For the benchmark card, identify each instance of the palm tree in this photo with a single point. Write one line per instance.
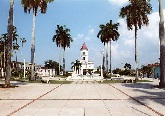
(9, 44)
(162, 46)
(15, 49)
(76, 65)
(34, 5)
(108, 33)
(113, 35)
(1, 55)
(63, 39)
(22, 40)
(4, 42)
(102, 35)
(15, 44)
(3, 45)
(136, 16)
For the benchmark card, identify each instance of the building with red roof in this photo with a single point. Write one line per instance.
(87, 66)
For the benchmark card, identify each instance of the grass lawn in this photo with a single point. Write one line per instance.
(69, 82)
(60, 82)
(144, 81)
(112, 81)
(39, 81)
(52, 82)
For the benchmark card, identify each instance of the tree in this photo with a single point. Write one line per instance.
(76, 65)
(147, 70)
(102, 35)
(34, 5)
(15, 44)
(4, 42)
(136, 16)
(162, 45)
(53, 65)
(112, 34)
(9, 44)
(3, 53)
(108, 33)
(116, 71)
(127, 66)
(22, 40)
(127, 69)
(63, 39)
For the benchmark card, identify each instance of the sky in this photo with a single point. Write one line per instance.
(83, 18)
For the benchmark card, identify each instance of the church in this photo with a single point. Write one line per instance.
(87, 66)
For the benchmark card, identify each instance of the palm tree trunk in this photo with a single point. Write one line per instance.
(1, 66)
(9, 44)
(4, 58)
(104, 59)
(136, 54)
(64, 62)
(33, 48)
(107, 57)
(110, 57)
(59, 60)
(16, 61)
(162, 46)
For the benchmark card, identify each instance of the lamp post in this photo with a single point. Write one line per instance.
(101, 71)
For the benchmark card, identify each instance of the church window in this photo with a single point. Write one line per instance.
(83, 53)
(83, 58)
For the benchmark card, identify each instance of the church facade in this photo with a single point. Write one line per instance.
(87, 66)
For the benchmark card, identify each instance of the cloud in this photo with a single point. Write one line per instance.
(129, 42)
(126, 36)
(91, 31)
(147, 38)
(118, 52)
(118, 2)
(80, 36)
(90, 34)
(151, 32)
(87, 38)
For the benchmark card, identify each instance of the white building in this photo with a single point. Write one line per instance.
(87, 66)
(45, 72)
(41, 71)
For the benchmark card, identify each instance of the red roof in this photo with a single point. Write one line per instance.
(84, 47)
(153, 65)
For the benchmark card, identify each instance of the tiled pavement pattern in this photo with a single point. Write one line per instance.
(83, 98)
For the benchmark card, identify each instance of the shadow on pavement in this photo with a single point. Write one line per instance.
(140, 85)
(13, 84)
(152, 92)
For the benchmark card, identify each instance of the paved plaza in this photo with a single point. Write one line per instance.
(83, 98)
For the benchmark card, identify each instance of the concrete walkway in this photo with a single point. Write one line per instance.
(83, 99)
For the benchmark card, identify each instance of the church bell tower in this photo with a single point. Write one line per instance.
(84, 53)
